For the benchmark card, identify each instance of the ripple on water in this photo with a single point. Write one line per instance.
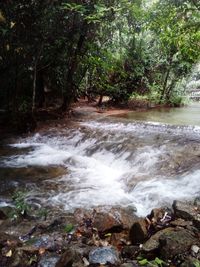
(106, 163)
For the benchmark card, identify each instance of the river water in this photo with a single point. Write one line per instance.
(142, 160)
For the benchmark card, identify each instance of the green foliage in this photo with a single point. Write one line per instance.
(21, 206)
(196, 263)
(68, 228)
(42, 213)
(157, 262)
(116, 48)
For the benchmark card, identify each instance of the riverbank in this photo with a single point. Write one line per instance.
(26, 123)
(105, 236)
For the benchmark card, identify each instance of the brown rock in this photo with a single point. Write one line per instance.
(138, 232)
(106, 219)
(113, 220)
(68, 258)
(181, 223)
(176, 242)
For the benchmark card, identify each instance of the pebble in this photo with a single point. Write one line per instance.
(195, 249)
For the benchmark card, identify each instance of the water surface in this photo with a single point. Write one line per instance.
(108, 161)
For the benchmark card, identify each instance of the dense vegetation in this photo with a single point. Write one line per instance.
(54, 51)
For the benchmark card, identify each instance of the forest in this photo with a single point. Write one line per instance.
(100, 148)
(53, 52)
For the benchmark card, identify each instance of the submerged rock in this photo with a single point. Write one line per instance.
(104, 255)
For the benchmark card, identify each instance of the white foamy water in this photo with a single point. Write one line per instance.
(107, 164)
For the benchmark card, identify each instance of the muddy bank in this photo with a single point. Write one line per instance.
(106, 236)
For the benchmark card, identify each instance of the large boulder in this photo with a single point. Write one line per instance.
(106, 219)
(176, 242)
(153, 243)
(187, 211)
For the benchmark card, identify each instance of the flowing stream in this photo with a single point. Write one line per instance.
(136, 160)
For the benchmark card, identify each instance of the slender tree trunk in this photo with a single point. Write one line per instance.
(15, 93)
(163, 93)
(100, 100)
(34, 87)
(35, 78)
(40, 89)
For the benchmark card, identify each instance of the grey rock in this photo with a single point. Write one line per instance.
(187, 211)
(153, 242)
(104, 255)
(48, 261)
(176, 242)
(129, 252)
(129, 264)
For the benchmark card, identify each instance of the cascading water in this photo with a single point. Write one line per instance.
(108, 162)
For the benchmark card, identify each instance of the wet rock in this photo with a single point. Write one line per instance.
(138, 232)
(160, 217)
(23, 258)
(187, 211)
(177, 242)
(113, 220)
(181, 223)
(48, 261)
(18, 259)
(153, 243)
(130, 252)
(190, 262)
(104, 219)
(118, 239)
(8, 241)
(129, 264)
(3, 215)
(197, 201)
(104, 255)
(73, 256)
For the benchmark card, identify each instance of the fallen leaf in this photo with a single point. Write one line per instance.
(42, 251)
(9, 253)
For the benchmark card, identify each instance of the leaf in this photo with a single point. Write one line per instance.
(2, 18)
(42, 251)
(9, 253)
(143, 262)
(108, 235)
(12, 24)
(69, 227)
(196, 263)
(158, 261)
